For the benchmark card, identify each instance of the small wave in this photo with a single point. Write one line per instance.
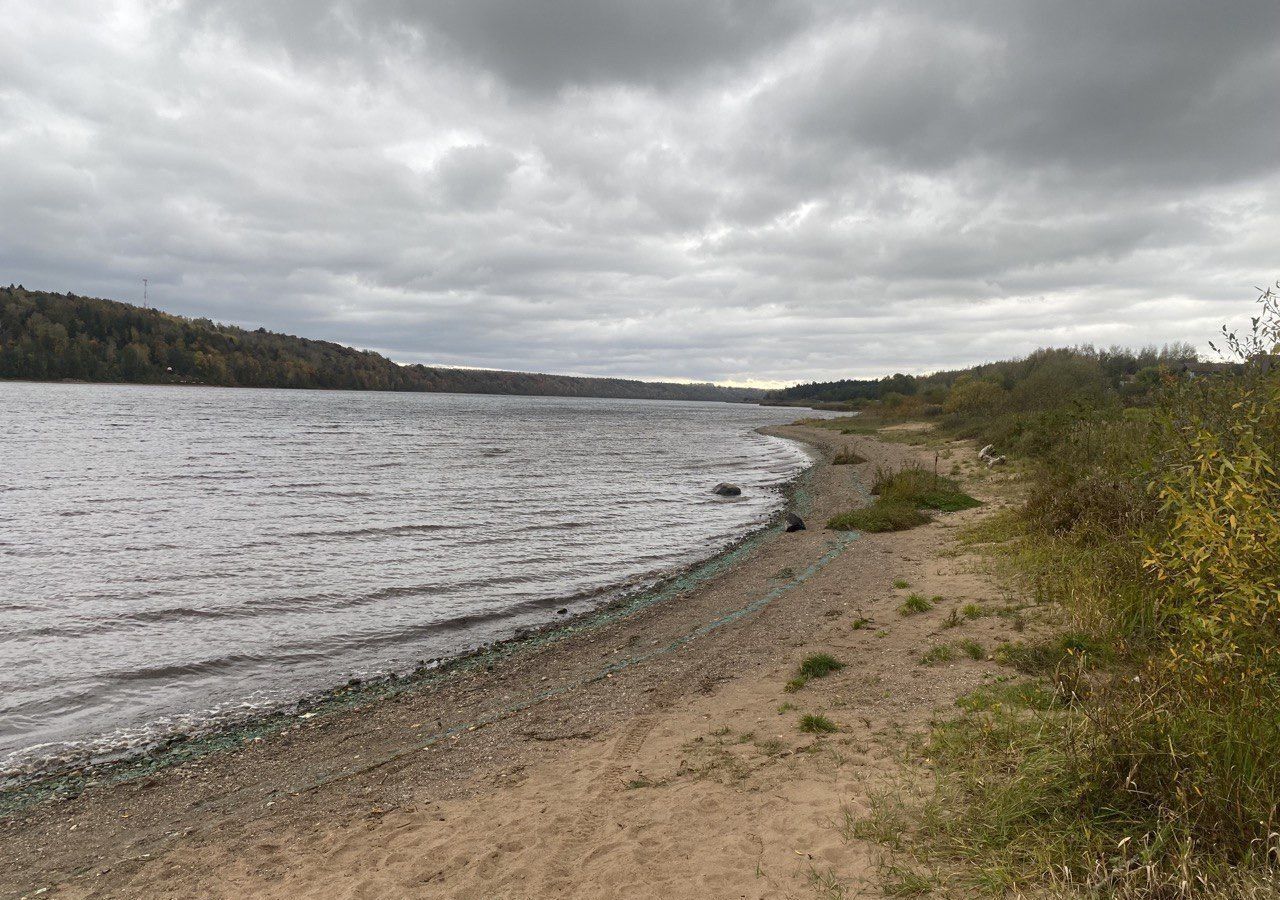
(168, 673)
(341, 533)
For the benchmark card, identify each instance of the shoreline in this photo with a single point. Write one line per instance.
(69, 779)
(502, 769)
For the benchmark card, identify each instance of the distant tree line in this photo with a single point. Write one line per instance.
(49, 337)
(845, 390)
(1042, 380)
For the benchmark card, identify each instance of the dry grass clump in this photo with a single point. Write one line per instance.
(847, 457)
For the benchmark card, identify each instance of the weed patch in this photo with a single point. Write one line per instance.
(819, 665)
(817, 724)
(899, 881)
(939, 653)
(914, 604)
(1047, 656)
(815, 665)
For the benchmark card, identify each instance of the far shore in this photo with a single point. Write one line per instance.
(253, 387)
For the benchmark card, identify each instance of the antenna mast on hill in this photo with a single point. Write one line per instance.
(144, 293)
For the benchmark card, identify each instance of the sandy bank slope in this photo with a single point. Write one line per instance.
(682, 775)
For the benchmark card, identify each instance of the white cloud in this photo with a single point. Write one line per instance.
(736, 190)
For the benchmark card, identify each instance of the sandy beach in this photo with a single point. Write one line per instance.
(656, 754)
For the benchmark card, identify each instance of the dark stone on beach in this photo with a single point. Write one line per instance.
(725, 489)
(794, 522)
(562, 611)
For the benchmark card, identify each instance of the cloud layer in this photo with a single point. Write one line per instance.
(754, 191)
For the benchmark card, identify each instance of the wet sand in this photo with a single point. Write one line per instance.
(649, 756)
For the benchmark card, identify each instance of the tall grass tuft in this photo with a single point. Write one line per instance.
(901, 497)
(922, 488)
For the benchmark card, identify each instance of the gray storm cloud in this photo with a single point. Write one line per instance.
(736, 190)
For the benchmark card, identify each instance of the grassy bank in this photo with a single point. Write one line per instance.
(1137, 752)
(904, 499)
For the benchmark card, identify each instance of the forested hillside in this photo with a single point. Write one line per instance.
(46, 336)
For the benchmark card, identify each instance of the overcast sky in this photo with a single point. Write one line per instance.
(748, 191)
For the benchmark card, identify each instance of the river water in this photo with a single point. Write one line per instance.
(175, 557)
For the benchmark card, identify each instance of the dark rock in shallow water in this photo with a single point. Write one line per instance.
(794, 522)
(562, 611)
(725, 489)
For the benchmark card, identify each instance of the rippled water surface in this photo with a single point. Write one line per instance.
(170, 556)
